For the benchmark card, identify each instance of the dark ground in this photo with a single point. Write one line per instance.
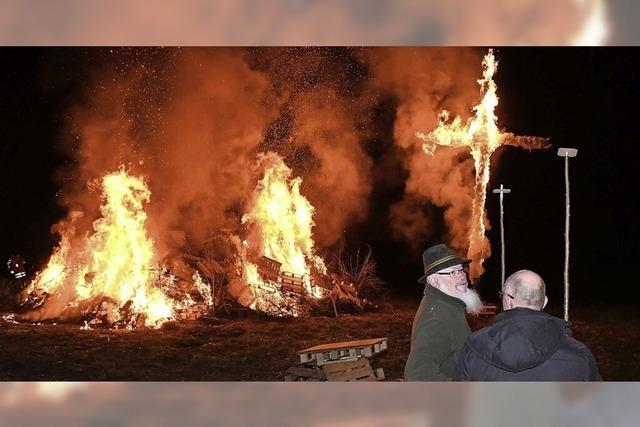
(255, 348)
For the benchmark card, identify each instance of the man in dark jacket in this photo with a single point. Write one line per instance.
(524, 343)
(440, 327)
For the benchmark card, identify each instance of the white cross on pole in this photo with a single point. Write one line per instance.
(502, 191)
(566, 153)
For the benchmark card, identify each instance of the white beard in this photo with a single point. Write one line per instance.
(472, 300)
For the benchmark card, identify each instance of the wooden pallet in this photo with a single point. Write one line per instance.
(269, 268)
(290, 282)
(357, 370)
(342, 351)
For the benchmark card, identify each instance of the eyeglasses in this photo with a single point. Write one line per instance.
(460, 272)
(502, 293)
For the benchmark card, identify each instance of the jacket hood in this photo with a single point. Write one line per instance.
(519, 339)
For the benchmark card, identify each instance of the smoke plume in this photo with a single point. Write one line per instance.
(423, 82)
(193, 121)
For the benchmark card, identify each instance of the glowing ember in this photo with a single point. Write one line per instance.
(115, 262)
(282, 219)
(481, 134)
(204, 289)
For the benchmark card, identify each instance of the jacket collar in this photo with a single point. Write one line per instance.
(438, 295)
(523, 312)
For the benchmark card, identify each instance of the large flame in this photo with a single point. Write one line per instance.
(116, 261)
(481, 134)
(283, 219)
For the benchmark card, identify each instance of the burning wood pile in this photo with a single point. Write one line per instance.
(281, 269)
(273, 267)
(111, 278)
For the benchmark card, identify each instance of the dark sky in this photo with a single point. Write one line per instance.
(578, 97)
(583, 98)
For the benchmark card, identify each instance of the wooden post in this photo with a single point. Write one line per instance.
(502, 191)
(566, 153)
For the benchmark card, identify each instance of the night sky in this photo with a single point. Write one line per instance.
(578, 97)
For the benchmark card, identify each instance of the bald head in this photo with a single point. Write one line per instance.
(527, 289)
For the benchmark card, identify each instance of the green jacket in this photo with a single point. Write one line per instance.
(439, 331)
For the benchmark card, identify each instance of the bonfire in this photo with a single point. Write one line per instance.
(280, 272)
(110, 276)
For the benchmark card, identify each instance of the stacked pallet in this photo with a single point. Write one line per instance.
(341, 361)
(292, 283)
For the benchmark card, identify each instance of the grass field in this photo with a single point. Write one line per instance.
(256, 348)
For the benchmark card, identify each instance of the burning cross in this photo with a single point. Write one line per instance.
(481, 134)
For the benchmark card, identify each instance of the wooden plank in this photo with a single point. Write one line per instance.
(320, 360)
(356, 374)
(340, 362)
(345, 345)
(286, 287)
(331, 368)
(268, 268)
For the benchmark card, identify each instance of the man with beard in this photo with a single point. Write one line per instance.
(440, 326)
(524, 343)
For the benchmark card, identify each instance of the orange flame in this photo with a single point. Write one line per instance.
(481, 134)
(115, 262)
(283, 219)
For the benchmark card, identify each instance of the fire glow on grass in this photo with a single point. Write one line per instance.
(283, 219)
(481, 134)
(116, 261)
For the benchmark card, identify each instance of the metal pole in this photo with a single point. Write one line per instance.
(566, 153)
(502, 191)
